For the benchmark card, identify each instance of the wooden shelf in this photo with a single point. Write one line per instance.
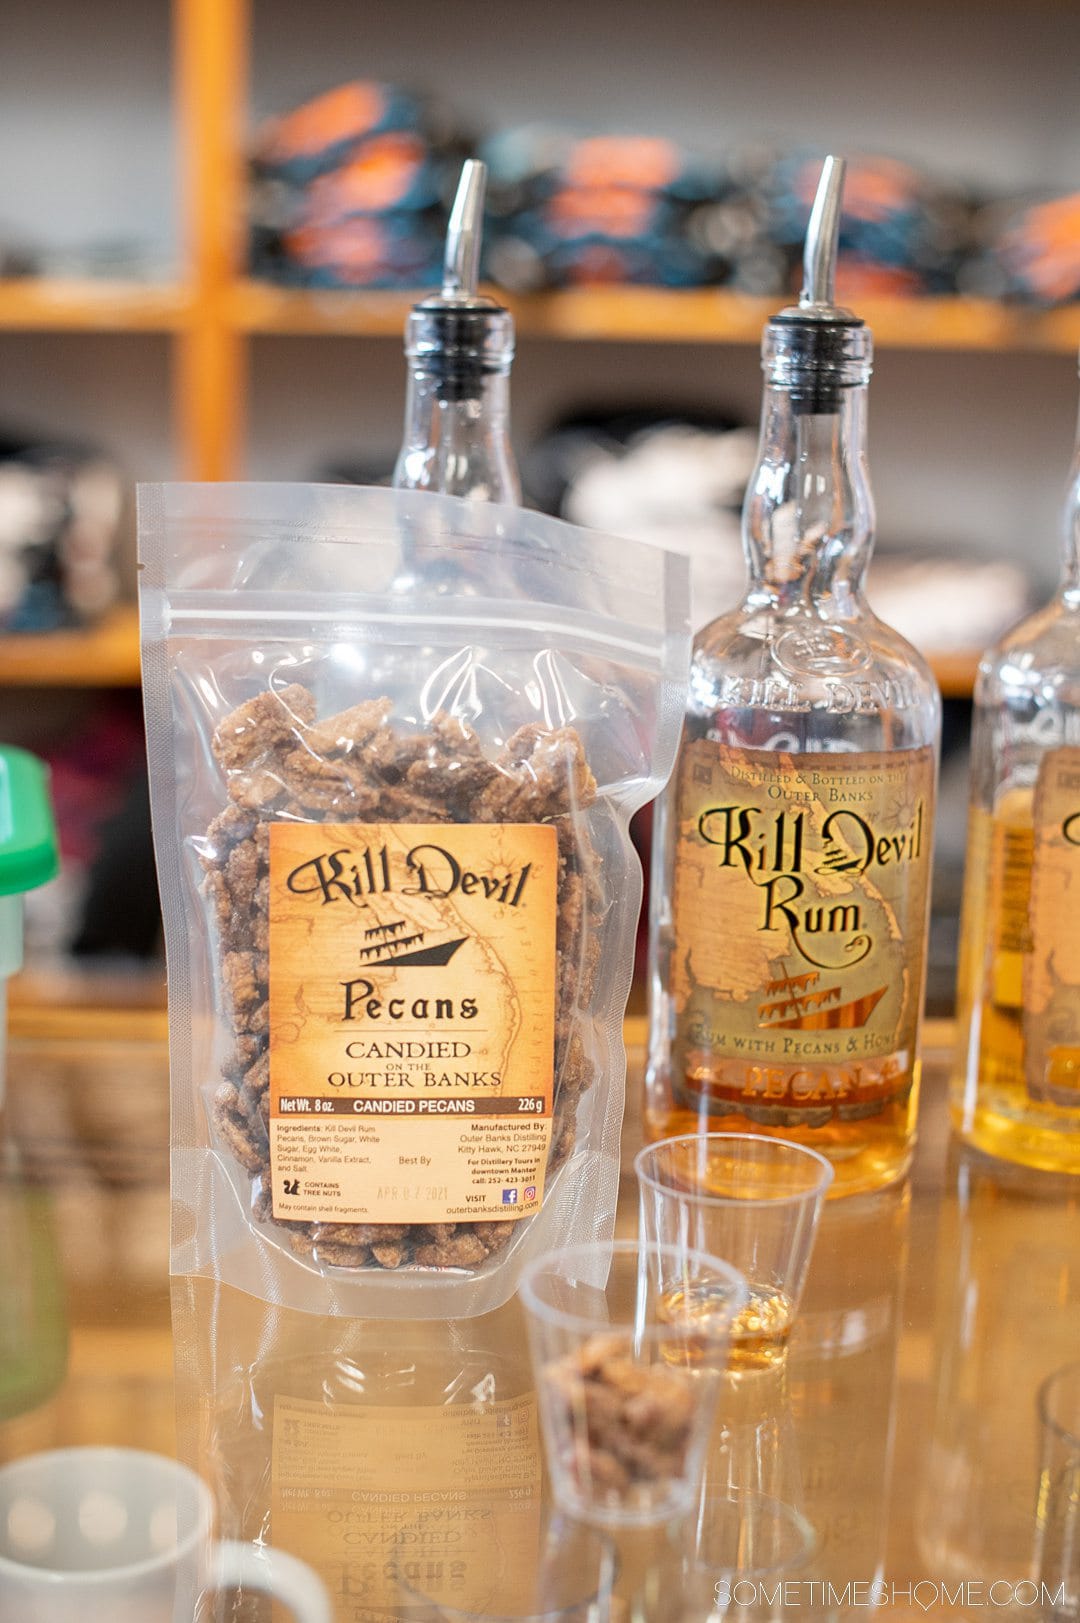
(642, 315)
(104, 655)
(31, 305)
(659, 315)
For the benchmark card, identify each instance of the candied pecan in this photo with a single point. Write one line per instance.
(494, 1236)
(574, 1069)
(571, 917)
(589, 971)
(228, 826)
(331, 1253)
(361, 1233)
(452, 768)
(600, 1469)
(215, 887)
(243, 871)
(350, 731)
(454, 782)
(578, 855)
(341, 1256)
(277, 716)
(334, 787)
(242, 1056)
(257, 1077)
(542, 773)
(258, 790)
(631, 1422)
(662, 1415)
(389, 1253)
(464, 1250)
(240, 972)
(562, 1134)
(401, 803)
(578, 972)
(255, 1021)
(236, 1130)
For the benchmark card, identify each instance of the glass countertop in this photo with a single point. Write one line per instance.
(903, 1430)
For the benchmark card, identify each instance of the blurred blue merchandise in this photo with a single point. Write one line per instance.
(568, 209)
(565, 245)
(349, 190)
(362, 252)
(321, 134)
(1030, 249)
(901, 231)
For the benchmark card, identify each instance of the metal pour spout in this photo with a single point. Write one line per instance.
(464, 235)
(818, 296)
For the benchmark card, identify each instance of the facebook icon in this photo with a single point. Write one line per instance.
(510, 1197)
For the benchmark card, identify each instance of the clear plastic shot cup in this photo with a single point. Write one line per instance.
(748, 1198)
(735, 1556)
(1058, 1512)
(628, 1345)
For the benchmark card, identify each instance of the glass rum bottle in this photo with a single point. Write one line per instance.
(1016, 1081)
(792, 860)
(460, 346)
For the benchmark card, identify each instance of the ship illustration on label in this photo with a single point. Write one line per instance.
(805, 1007)
(389, 946)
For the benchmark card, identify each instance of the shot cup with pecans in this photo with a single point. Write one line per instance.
(627, 1377)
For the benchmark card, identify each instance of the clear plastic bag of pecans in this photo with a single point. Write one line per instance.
(395, 743)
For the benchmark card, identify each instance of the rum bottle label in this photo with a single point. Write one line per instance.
(800, 914)
(1051, 981)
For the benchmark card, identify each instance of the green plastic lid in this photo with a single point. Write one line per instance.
(29, 853)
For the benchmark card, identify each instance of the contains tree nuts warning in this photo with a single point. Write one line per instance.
(395, 742)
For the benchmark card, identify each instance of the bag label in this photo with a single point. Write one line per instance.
(800, 914)
(1051, 982)
(412, 1020)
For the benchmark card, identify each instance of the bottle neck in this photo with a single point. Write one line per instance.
(1070, 555)
(457, 438)
(808, 518)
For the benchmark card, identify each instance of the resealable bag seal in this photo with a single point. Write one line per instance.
(395, 742)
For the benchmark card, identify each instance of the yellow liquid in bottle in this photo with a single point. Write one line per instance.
(992, 1107)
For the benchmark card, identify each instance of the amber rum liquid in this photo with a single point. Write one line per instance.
(757, 1335)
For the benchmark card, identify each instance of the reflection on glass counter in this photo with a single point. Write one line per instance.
(844, 1380)
(1008, 1314)
(386, 1453)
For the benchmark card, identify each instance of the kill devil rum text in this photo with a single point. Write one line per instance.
(792, 861)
